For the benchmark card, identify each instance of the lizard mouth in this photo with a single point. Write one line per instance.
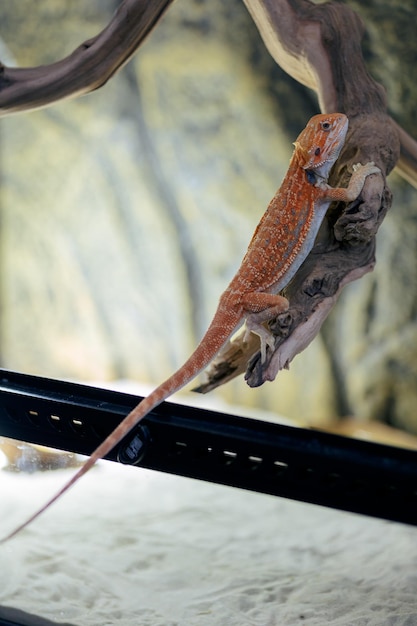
(310, 162)
(322, 169)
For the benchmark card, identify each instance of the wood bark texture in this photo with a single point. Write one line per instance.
(89, 67)
(320, 46)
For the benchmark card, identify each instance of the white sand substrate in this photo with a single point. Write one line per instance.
(134, 547)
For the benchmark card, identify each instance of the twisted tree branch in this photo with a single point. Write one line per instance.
(89, 67)
(320, 45)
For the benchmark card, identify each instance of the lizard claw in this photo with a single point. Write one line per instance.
(367, 169)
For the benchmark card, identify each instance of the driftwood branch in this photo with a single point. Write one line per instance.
(89, 67)
(320, 45)
(315, 44)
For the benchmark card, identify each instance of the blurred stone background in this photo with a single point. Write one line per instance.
(125, 213)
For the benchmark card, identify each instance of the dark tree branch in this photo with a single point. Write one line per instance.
(320, 45)
(89, 67)
(315, 44)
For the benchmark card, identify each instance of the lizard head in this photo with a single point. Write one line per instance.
(319, 144)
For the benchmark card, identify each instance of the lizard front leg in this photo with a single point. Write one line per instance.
(260, 307)
(356, 183)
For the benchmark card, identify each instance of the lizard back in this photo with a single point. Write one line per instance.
(287, 229)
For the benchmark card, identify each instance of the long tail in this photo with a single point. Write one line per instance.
(215, 337)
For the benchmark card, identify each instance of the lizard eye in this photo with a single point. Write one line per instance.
(325, 125)
(317, 151)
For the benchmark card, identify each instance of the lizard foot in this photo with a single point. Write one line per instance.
(262, 307)
(265, 336)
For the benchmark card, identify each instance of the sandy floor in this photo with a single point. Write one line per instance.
(134, 547)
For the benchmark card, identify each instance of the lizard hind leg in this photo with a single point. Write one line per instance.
(260, 308)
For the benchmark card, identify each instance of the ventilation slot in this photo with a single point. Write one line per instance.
(56, 422)
(34, 417)
(78, 426)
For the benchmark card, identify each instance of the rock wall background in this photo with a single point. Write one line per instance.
(125, 213)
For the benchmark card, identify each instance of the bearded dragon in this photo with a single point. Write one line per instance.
(280, 243)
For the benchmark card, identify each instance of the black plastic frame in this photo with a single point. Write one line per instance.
(307, 465)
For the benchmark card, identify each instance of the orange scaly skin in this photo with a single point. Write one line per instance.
(281, 242)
